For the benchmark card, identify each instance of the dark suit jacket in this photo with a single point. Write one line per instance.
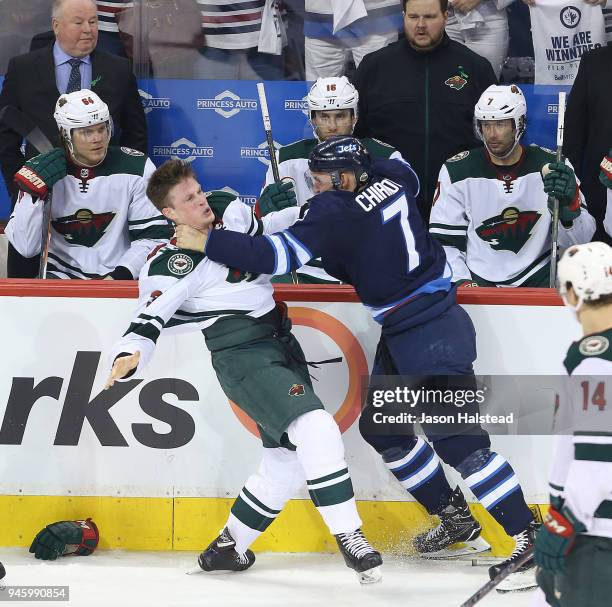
(30, 87)
(588, 127)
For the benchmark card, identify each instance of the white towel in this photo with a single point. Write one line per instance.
(272, 35)
(346, 12)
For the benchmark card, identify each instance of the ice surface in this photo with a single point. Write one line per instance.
(158, 579)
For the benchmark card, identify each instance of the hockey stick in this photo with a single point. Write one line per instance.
(265, 115)
(23, 126)
(502, 575)
(555, 201)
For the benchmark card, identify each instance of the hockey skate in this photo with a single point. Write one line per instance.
(524, 577)
(221, 555)
(457, 526)
(360, 556)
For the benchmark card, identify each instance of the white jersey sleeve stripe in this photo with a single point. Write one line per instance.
(281, 254)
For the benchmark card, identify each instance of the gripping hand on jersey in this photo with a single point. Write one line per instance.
(556, 538)
(123, 366)
(39, 174)
(276, 197)
(606, 171)
(188, 237)
(560, 183)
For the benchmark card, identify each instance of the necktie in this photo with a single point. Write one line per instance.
(74, 82)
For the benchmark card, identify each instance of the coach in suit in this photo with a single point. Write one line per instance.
(35, 80)
(588, 128)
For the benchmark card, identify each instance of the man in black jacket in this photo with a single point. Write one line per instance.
(588, 128)
(35, 80)
(418, 94)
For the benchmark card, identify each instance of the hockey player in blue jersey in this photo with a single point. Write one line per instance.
(365, 226)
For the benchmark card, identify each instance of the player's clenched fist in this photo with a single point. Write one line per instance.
(39, 174)
(188, 237)
(122, 366)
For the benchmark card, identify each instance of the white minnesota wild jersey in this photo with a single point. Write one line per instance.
(582, 465)
(101, 218)
(181, 290)
(494, 222)
(293, 164)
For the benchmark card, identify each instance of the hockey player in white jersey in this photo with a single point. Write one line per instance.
(573, 549)
(606, 179)
(260, 367)
(491, 209)
(102, 223)
(332, 111)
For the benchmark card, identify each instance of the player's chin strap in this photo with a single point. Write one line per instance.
(336, 180)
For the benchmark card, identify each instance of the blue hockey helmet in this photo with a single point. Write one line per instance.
(341, 153)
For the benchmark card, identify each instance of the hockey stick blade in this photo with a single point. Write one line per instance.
(491, 584)
(17, 121)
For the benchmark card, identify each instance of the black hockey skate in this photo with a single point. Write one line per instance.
(456, 525)
(221, 555)
(524, 577)
(360, 556)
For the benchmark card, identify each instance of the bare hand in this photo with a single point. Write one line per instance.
(465, 6)
(121, 367)
(530, 2)
(188, 237)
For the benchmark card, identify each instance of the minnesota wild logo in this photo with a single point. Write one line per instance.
(84, 228)
(456, 82)
(508, 231)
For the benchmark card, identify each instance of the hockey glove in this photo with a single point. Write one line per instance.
(560, 183)
(64, 538)
(606, 171)
(276, 197)
(556, 538)
(39, 174)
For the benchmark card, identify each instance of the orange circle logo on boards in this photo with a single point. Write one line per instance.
(352, 353)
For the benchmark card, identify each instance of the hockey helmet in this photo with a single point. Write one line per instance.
(501, 103)
(80, 109)
(340, 154)
(587, 268)
(332, 94)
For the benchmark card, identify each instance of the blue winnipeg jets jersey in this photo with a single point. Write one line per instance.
(375, 240)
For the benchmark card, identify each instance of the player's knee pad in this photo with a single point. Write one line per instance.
(278, 478)
(381, 442)
(316, 430)
(454, 450)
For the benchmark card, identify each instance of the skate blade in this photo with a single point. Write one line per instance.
(462, 549)
(370, 576)
(518, 582)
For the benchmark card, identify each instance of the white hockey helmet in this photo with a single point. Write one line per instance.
(77, 110)
(501, 103)
(587, 268)
(332, 94)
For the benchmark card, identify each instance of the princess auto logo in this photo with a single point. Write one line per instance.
(150, 103)
(227, 104)
(260, 152)
(570, 16)
(183, 149)
(297, 105)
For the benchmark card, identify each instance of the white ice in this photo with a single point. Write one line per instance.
(158, 579)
